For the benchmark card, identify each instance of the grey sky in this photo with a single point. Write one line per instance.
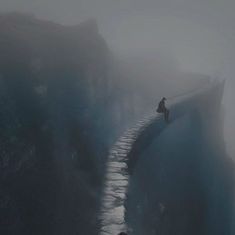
(199, 34)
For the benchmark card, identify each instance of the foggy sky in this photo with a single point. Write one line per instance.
(198, 34)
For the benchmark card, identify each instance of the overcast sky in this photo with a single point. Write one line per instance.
(198, 34)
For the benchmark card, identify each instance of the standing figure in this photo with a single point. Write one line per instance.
(162, 109)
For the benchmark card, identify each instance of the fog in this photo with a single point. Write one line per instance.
(80, 137)
(198, 35)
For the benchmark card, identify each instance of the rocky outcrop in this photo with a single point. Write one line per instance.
(55, 124)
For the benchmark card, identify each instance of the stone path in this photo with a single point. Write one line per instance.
(116, 181)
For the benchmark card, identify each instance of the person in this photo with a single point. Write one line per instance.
(162, 109)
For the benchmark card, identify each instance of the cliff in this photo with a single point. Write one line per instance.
(55, 125)
(182, 181)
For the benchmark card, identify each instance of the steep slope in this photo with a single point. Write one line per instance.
(55, 124)
(181, 180)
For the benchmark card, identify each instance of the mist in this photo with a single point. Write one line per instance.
(198, 35)
(77, 75)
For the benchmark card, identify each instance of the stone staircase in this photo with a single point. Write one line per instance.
(112, 216)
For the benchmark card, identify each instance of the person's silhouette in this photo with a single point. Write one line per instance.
(162, 109)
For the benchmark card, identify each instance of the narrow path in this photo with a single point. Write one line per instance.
(113, 210)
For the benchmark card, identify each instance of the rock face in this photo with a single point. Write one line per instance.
(182, 181)
(56, 125)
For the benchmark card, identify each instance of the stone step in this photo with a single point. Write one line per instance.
(113, 210)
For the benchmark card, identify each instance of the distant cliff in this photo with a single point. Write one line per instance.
(56, 124)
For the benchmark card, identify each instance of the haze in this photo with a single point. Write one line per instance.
(198, 35)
